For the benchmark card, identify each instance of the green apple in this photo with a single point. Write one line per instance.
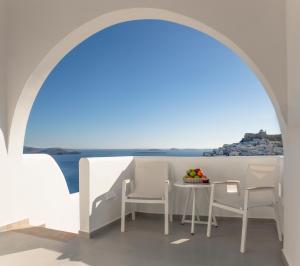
(192, 173)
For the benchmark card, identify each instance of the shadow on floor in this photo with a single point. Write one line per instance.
(143, 243)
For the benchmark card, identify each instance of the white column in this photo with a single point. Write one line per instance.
(291, 189)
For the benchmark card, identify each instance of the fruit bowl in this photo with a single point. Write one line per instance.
(195, 176)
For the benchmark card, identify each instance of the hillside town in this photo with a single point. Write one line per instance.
(252, 144)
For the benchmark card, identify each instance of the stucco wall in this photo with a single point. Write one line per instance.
(2, 77)
(6, 185)
(41, 194)
(292, 176)
(5, 178)
(100, 190)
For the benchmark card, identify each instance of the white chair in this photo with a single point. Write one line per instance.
(150, 185)
(263, 178)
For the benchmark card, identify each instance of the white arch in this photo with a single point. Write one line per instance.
(35, 81)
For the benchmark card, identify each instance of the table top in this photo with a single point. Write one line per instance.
(182, 184)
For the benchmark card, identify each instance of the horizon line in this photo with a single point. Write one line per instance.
(67, 148)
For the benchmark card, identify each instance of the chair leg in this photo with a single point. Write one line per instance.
(215, 222)
(210, 210)
(172, 198)
(214, 219)
(133, 208)
(166, 216)
(244, 232)
(276, 215)
(245, 223)
(123, 215)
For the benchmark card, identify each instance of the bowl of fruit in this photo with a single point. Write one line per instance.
(195, 176)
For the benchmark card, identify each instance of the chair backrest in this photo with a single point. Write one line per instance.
(256, 175)
(228, 192)
(259, 175)
(150, 178)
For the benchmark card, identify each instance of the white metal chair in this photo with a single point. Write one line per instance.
(150, 185)
(263, 178)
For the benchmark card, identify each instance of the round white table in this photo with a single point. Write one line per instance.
(192, 189)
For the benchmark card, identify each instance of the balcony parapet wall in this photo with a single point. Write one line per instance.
(101, 178)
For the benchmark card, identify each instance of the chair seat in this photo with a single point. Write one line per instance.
(235, 206)
(136, 195)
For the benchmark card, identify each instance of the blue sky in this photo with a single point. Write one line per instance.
(149, 84)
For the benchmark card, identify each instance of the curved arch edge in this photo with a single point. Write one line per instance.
(29, 92)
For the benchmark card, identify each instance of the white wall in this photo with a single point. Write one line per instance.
(292, 162)
(5, 177)
(2, 77)
(43, 195)
(100, 190)
(6, 199)
(33, 187)
(100, 183)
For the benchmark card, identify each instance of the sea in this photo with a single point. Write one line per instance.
(69, 163)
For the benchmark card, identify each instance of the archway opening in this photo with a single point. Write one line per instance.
(36, 79)
(157, 82)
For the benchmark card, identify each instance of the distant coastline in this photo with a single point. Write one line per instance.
(117, 152)
(252, 144)
(50, 151)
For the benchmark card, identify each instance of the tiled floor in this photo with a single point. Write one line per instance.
(144, 244)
